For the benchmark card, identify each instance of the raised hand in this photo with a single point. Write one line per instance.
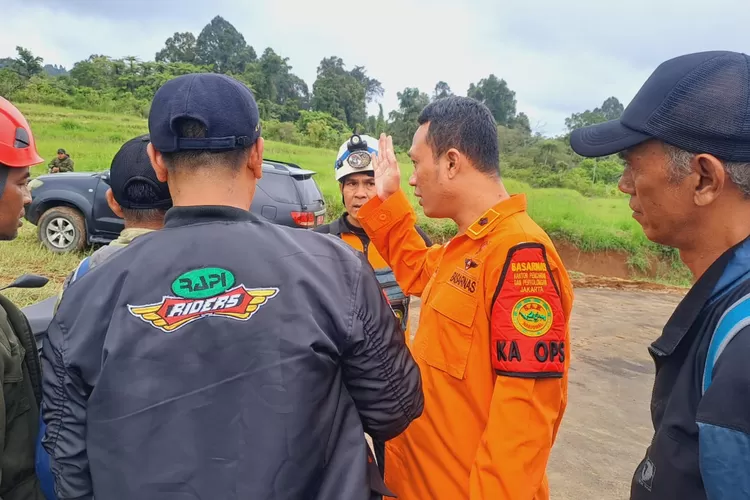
(387, 173)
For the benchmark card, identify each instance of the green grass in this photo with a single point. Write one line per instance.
(92, 139)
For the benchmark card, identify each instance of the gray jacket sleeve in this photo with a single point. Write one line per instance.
(64, 413)
(379, 371)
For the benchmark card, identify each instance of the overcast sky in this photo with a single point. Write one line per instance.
(559, 56)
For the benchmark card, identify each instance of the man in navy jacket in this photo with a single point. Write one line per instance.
(685, 139)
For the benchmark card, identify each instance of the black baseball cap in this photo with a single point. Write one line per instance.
(131, 166)
(697, 102)
(225, 106)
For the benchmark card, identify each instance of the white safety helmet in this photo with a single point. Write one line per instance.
(355, 156)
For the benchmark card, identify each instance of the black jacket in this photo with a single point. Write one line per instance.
(701, 410)
(21, 378)
(224, 358)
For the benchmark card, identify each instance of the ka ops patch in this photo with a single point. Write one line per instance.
(527, 325)
(201, 293)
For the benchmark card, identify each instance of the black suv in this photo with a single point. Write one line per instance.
(70, 209)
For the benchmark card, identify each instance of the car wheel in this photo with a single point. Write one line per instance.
(62, 229)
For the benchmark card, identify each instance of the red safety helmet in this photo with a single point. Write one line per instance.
(17, 147)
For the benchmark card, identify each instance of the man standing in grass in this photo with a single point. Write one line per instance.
(20, 372)
(685, 139)
(493, 337)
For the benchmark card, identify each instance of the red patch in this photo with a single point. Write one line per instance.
(527, 323)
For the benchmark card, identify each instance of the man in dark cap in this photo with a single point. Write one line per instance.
(685, 139)
(136, 196)
(63, 163)
(223, 356)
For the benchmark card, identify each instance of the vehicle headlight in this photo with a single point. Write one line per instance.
(34, 183)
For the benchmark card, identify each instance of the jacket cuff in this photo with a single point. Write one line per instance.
(377, 214)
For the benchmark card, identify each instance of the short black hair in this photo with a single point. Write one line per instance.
(142, 193)
(467, 125)
(196, 159)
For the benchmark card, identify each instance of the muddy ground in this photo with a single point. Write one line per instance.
(606, 427)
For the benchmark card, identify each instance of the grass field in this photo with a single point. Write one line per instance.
(93, 138)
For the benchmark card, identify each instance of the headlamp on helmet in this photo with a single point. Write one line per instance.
(357, 154)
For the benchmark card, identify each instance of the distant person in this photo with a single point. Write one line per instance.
(136, 196)
(685, 139)
(354, 172)
(63, 162)
(493, 341)
(20, 374)
(222, 356)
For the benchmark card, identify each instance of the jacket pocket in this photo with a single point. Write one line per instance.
(448, 340)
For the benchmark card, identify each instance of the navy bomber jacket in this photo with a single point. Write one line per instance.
(224, 358)
(701, 410)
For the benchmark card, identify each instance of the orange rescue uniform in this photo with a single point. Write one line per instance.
(493, 350)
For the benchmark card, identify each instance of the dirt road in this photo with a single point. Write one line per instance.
(607, 424)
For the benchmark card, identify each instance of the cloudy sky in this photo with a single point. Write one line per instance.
(560, 56)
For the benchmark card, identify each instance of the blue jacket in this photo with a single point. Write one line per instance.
(224, 358)
(701, 398)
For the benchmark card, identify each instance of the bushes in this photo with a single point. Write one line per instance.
(313, 128)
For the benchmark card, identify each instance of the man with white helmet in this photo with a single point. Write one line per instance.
(354, 171)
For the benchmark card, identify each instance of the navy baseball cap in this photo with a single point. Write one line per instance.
(697, 102)
(133, 180)
(225, 106)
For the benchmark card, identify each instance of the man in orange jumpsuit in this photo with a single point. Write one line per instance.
(493, 338)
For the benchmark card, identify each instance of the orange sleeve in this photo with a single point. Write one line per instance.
(391, 226)
(516, 444)
(527, 403)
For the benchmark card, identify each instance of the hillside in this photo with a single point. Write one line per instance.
(584, 228)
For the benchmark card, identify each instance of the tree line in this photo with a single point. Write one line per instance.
(322, 116)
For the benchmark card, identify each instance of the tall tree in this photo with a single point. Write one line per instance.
(442, 89)
(611, 109)
(340, 94)
(220, 45)
(373, 87)
(521, 122)
(26, 64)
(380, 127)
(496, 95)
(179, 47)
(404, 124)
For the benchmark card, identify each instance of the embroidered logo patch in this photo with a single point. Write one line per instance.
(200, 294)
(528, 327)
(532, 316)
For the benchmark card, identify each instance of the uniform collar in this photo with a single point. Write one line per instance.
(492, 217)
(129, 234)
(183, 216)
(349, 228)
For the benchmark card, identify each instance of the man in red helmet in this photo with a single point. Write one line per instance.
(20, 371)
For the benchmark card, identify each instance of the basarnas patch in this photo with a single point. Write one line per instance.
(202, 293)
(527, 326)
